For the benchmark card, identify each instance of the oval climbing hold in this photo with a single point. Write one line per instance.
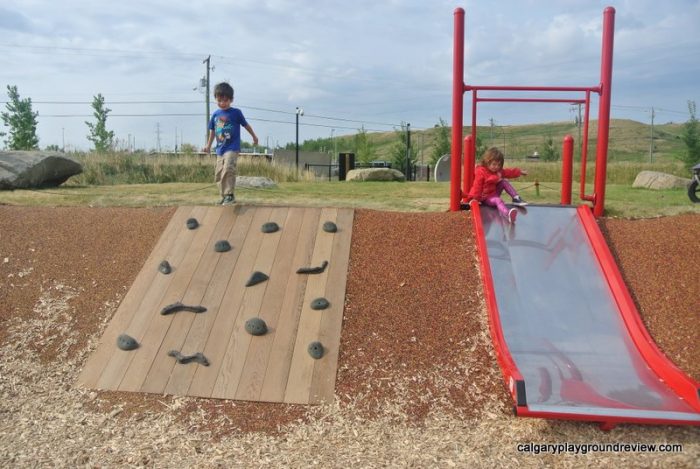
(126, 342)
(192, 223)
(270, 227)
(165, 268)
(255, 326)
(330, 227)
(320, 303)
(315, 350)
(222, 246)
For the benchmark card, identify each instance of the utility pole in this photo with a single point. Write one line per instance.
(207, 61)
(651, 143)
(158, 136)
(492, 124)
(408, 151)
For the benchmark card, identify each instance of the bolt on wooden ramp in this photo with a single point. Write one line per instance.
(274, 367)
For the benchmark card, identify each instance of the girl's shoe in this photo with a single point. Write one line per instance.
(517, 200)
(512, 214)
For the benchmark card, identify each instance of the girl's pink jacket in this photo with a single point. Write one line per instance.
(485, 181)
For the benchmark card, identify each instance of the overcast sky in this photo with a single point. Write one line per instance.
(347, 64)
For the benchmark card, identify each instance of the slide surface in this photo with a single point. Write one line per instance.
(564, 344)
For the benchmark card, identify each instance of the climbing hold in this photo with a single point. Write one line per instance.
(330, 227)
(126, 342)
(222, 246)
(184, 359)
(192, 223)
(270, 227)
(313, 270)
(165, 268)
(175, 307)
(320, 303)
(255, 326)
(255, 278)
(315, 350)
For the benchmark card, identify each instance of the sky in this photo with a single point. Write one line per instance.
(372, 64)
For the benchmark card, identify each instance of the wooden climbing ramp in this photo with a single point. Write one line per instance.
(274, 367)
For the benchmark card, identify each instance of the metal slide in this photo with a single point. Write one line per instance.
(569, 339)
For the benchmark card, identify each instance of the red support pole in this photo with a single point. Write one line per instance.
(604, 111)
(457, 108)
(468, 178)
(567, 159)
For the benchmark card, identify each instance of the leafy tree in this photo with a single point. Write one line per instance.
(399, 150)
(53, 148)
(99, 135)
(441, 142)
(21, 121)
(364, 152)
(691, 138)
(549, 153)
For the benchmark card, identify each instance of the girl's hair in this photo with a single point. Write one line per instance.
(491, 155)
(223, 89)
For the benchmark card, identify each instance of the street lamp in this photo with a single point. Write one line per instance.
(300, 112)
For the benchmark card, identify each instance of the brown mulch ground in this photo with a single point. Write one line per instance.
(418, 384)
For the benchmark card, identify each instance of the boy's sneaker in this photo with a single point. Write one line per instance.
(517, 200)
(229, 199)
(512, 214)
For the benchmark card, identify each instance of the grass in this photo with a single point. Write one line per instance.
(621, 199)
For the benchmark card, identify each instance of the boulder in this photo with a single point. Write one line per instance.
(255, 181)
(34, 169)
(375, 174)
(656, 180)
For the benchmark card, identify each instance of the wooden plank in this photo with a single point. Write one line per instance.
(284, 335)
(181, 376)
(302, 365)
(115, 369)
(163, 364)
(236, 353)
(222, 329)
(325, 369)
(282, 270)
(157, 328)
(127, 308)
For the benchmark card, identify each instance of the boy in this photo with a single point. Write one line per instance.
(225, 125)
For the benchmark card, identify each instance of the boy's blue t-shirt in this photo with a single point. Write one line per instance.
(226, 124)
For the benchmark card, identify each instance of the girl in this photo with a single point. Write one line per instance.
(490, 180)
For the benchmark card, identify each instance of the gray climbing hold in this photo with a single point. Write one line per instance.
(184, 359)
(165, 268)
(176, 307)
(255, 326)
(192, 223)
(222, 246)
(126, 342)
(320, 303)
(316, 350)
(313, 270)
(255, 278)
(270, 227)
(330, 227)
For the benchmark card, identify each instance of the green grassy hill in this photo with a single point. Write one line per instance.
(629, 140)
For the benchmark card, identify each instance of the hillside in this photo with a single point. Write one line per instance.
(629, 140)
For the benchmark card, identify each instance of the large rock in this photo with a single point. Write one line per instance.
(656, 180)
(257, 182)
(375, 174)
(33, 169)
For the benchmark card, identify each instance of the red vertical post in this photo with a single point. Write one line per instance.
(468, 178)
(457, 108)
(567, 159)
(601, 160)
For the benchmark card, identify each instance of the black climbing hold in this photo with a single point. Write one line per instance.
(184, 359)
(320, 303)
(126, 342)
(270, 227)
(165, 268)
(313, 270)
(315, 350)
(192, 223)
(222, 246)
(255, 326)
(330, 227)
(175, 307)
(255, 278)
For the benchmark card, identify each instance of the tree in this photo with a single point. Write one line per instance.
(21, 121)
(399, 150)
(441, 142)
(549, 153)
(364, 152)
(691, 138)
(99, 135)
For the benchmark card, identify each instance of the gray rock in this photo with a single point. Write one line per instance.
(375, 174)
(656, 180)
(258, 182)
(34, 169)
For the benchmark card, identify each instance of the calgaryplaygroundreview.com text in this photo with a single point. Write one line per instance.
(585, 448)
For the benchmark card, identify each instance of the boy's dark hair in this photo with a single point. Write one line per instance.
(223, 89)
